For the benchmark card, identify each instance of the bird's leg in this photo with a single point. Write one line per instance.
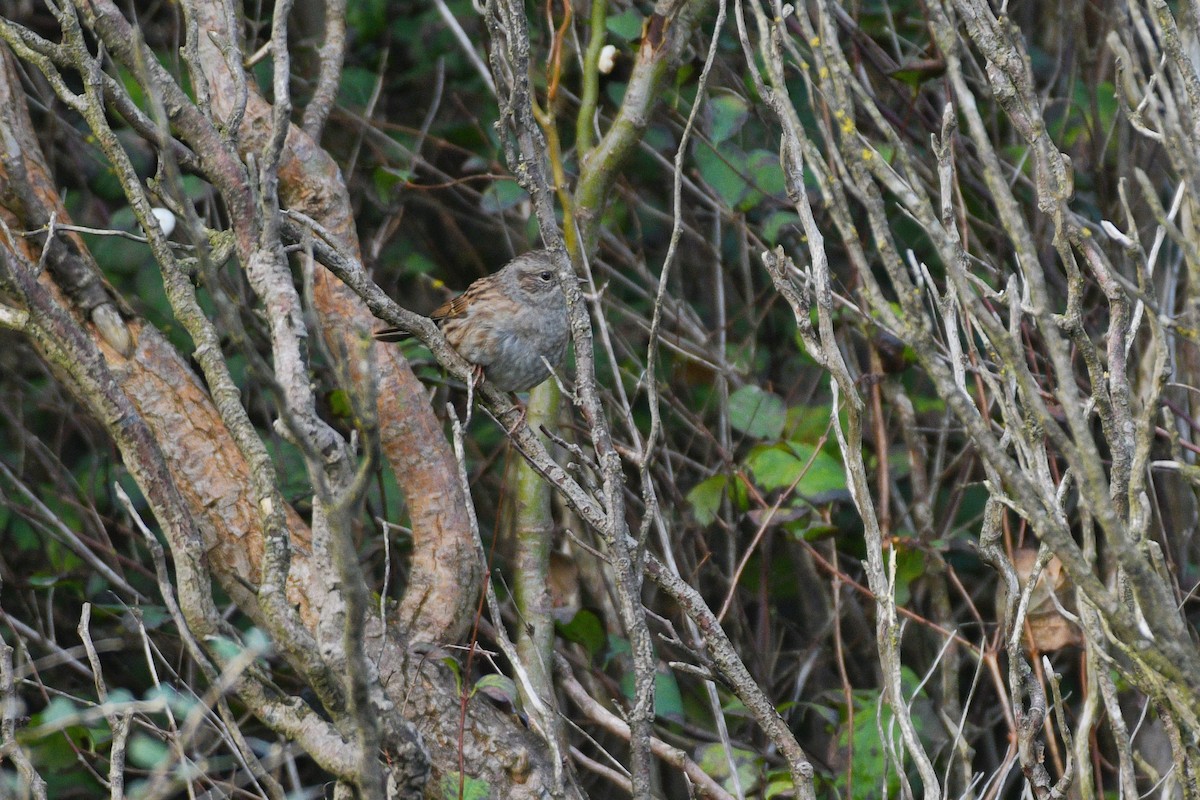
(520, 418)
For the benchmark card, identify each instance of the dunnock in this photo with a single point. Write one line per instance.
(510, 324)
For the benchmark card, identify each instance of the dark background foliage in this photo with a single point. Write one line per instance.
(755, 507)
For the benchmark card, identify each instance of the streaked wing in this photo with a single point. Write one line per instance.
(454, 307)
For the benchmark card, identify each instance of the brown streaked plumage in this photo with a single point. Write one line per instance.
(510, 323)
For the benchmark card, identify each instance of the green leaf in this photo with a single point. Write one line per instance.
(615, 91)
(339, 404)
(419, 264)
(61, 559)
(910, 565)
(741, 180)
(757, 413)
(807, 423)
(713, 759)
(224, 647)
(617, 646)
(96, 586)
(774, 224)
(660, 138)
(256, 639)
(180, 703)
(734, 707)
(107, 185)
(367, 16)
(668, 701)
(501, 196)
(811, 531)
(779, 786)
(500, 688)
(627, 25)
(727, 113)
(777, 466)
(871, 716)
(586, 629)
(452, 664)
(23, 534)
(357, 86)
(724, 172)
(825, 473)
(58, 709)
(147, 752)
(388, 180)
(705, 498)
(473, 788)
(774, 467)
(57, 753)
(766, 175)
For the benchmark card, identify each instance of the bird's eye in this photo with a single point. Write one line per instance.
(547, 276)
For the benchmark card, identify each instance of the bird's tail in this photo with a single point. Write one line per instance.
(391, 335)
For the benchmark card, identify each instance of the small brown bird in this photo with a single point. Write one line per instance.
(510, 324)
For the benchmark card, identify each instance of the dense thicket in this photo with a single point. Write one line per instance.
(872, 471)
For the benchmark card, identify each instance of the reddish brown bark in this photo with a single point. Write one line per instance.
(213, 480)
